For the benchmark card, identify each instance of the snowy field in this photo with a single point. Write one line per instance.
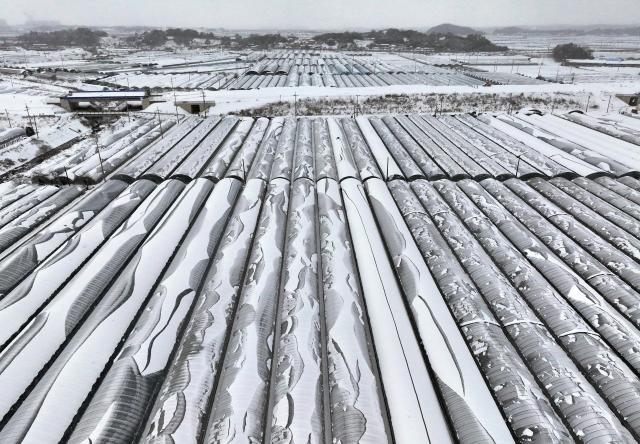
(338, 251)
(535, 44)
(66, 58)
(234, 101)
(16, 95)
(50, 139)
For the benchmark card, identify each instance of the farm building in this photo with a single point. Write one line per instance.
(105, 100)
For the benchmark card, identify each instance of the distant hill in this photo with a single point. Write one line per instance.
(582, 31)
(629, 30)
(409, 39)
(448, 28)
(510, 30)
(82, 37)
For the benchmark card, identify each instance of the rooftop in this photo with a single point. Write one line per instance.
(105, 95)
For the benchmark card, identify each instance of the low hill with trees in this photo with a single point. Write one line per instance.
(186, 37)
(562, 53)
(158, 37)
(82, 37)
(448, 28)
(410, 39)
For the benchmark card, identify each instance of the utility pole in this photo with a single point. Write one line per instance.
(586, 109)
(542, 60)
(175, 99)
(295, 104)
(160, 120)
(32, 122)
(609, 104)
(8, 119)
(28, 115)
(104, 177)
(540, 67)
(203, 103)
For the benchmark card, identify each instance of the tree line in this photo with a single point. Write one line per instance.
(82, 37)
(85, 37)
(411, 39)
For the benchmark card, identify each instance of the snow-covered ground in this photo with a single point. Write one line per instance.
(442, 237)
(603, 45)
(65, 58)
(49, 138)
(17, 94)
(591, 89)
(233, 101)
(556, 72)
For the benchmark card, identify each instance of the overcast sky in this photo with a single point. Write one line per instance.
(322, 14)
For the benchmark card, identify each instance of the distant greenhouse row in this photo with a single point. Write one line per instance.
(212, 81)
(406, 146)
(294, 78)
(296, 68)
